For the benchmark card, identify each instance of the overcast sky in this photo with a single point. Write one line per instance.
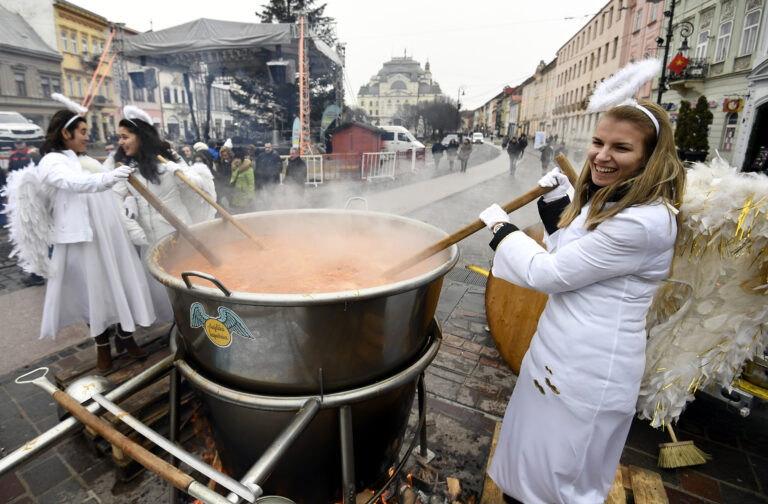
(480, 46)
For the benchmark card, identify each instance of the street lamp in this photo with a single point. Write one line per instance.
(686, 29)
(459, 94)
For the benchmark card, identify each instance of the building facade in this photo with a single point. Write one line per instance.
(593, 54)
(751, 150)
(723, 49)
(82, 37)
(30, 70)
(401, 81)
(646, 28)
(536, 103)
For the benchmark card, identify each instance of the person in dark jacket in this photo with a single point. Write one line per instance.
(268, 167)
(437, 152)
(295, 172)
(514, 152)
(451, 152)
(547, 155)
(19, 156)
(522, 141)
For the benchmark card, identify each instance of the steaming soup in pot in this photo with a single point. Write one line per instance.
(308, 262)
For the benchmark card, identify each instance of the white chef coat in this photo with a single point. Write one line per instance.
(571, 409)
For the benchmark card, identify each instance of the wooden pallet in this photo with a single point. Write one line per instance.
(631, 484)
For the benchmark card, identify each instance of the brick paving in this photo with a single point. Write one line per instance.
(468, 386)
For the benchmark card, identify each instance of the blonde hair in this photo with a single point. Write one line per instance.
(661, 177)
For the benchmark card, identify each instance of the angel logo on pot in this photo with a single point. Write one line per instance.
(219, 330)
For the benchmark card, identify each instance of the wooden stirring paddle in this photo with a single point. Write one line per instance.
(226, 215)
(172, 219)
(520, 201)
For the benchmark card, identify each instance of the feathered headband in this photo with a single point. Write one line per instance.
(622, 86)
(78, 109)
(131, 112)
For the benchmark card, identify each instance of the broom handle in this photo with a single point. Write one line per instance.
(672, 433)
(477, 225)
(227, 216)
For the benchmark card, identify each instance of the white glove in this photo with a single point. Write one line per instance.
(493, 215)
(131, 207)
(173, 167)
(138, 236)
(119, 174)
(555, 178)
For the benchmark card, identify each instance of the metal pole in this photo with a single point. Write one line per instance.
(192, 461)
(422, 394)
(261, 469)
(347, 455)
(667, 43)
(55, 433)
(173, 430)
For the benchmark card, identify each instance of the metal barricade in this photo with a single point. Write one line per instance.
(314, 164)
(378, 165)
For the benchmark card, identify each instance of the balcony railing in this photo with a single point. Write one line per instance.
(696, 70)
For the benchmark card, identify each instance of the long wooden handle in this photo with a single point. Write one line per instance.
(472, 228)
(137, 452)
(173, 220)
(567, 168)
(227, 216)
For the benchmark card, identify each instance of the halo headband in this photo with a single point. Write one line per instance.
(650, 116)
(72, 119)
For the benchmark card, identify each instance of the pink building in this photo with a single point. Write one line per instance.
(646, 22)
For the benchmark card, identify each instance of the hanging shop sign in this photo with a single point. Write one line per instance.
(733, 105)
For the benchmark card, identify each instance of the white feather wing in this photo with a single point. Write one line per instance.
(703, 329)
(30, 221)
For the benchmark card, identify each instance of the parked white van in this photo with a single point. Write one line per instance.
(397, 138)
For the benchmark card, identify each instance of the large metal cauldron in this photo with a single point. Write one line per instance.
(299, 343)
(310, 471)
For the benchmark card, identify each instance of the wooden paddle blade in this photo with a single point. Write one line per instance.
(513, 312)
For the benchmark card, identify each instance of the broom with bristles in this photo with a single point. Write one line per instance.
(680, 453)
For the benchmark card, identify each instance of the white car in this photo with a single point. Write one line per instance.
(477, 137)
(15, 127)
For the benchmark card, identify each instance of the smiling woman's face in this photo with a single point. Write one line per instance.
(617, 151)
(128, 141)
(77, 140)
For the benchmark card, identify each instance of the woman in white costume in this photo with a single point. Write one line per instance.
(571, 409)
(96, 275)
(139, 147)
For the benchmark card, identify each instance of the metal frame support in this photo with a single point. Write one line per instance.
(347, 455)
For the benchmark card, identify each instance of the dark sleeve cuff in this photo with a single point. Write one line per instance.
(550, 212)
(502, 233)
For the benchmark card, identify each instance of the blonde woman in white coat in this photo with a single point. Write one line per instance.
(139, 147)
(571, 409)
(96, 276)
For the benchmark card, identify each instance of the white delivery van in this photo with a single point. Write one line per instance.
(397, 138)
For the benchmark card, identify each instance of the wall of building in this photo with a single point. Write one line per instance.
(727, 64)
(593, 54)
(76, 28)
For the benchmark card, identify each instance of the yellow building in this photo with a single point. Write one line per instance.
(81, 36)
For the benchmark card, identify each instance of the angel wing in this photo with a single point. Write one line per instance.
(197, 315)
(30, 220)
(234, 323)
(703, 328)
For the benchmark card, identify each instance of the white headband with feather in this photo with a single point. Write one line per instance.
(131, 112)
(78, 109)
(622, 86)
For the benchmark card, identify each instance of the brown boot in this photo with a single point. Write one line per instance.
(124, 342)
(103, 355)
